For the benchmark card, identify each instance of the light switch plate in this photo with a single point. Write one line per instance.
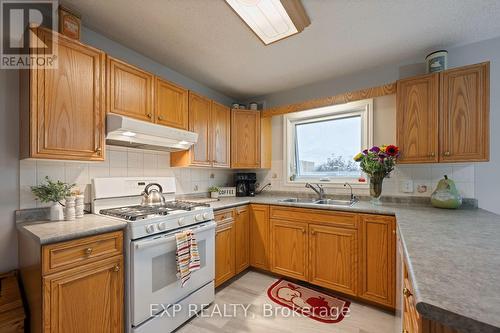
(406, 186)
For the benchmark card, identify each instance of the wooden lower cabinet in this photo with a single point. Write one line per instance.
(224, 253)
(413, 322)
(85, 299)
(232, 242)
(333, 258)
(377, 259)
(289, 248)
(259, 236)
(84, 292)
(242, 239)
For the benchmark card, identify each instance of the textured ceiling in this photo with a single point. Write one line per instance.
(205, 40)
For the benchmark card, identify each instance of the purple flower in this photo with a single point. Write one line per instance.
(365, 152)
(375, 149)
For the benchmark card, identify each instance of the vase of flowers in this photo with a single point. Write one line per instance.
(377, 163)
(53, 192)
(214, 192)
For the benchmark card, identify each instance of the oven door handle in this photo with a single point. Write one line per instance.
(170, 237)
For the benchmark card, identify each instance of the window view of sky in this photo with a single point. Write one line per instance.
(329, 146)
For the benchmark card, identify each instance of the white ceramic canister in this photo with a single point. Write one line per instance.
(69, 209)
(79, 206)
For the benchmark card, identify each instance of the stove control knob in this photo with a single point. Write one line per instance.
(162, 226)
(150, 228)
(206, 216)
(198, 217)
(180, 221)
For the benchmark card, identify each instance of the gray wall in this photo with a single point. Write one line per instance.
(123, 53)
(486, 174)
(9, 167)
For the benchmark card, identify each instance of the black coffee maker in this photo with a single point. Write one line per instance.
(245, 184)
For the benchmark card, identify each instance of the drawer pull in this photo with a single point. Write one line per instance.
(116, 268)
(149, 115)
(160, 118)
(447, 153)
(406, 292)
(88, 251)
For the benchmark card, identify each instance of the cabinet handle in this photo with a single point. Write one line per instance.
(159, 118)
(432, 155)
(447, 153)
(149, 115)
(88, 251)
(313, 232)
(98, 149)
(303, 231)
(116, 268)
(404, 331)
(406, 292)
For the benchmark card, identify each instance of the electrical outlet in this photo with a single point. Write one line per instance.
(406, 186)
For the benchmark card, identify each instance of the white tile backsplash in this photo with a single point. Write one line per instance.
(120, 162)
(425, 175)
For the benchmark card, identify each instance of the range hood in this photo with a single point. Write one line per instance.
(128, 132)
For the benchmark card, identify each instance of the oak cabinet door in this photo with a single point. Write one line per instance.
(378, 259)
(86, 299)
(465, 114)
(67, 103)
(224, 253)
(417, 119)
(242, 240)
(199, 122)
(245, 139)
(130, 90)
(333, 258)
(259, 236)
(221, 135)
(171, 108)
(289, 250)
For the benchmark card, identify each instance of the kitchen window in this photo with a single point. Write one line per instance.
(320, 143)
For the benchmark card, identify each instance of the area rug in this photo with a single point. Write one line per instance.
(308, 302)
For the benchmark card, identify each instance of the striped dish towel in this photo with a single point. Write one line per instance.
(187, 256)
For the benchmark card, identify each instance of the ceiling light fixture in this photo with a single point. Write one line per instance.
(272, 20)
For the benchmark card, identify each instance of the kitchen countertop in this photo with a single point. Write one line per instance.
(47, 232)
(453, 257)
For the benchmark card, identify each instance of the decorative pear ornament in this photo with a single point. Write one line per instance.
(446, 195)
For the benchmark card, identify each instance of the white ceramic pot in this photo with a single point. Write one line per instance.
(214, 195)
(56, 212)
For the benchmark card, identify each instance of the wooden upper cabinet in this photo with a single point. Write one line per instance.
(130, 90)
(259, 236)
(86, 299)
(245, 139)
(221, 135)
(333, 258)
(199, 122)
(465, 114)
(378, 259)
(63, 109)
(242, 238)
(289, 248)
(171, 107)
(418, 118)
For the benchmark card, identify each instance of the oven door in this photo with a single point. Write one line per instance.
(153, 275)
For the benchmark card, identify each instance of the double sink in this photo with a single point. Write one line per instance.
(321, 202)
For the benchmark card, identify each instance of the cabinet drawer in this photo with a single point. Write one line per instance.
(224, 216)
(342, 219)
(56, 257)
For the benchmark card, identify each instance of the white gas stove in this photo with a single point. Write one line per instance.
(150, 250)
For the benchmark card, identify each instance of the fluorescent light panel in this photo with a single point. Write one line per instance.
(267, 18)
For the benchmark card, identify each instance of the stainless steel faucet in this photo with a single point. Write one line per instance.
(352, 195)
(320, 191)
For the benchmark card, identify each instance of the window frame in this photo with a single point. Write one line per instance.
(362, 108)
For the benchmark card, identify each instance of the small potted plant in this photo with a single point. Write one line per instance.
(377, 163)
(214, 192)
(53, 192)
